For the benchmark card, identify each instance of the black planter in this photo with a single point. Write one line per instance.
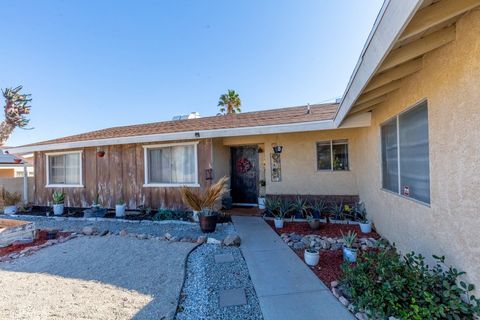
(208, 224)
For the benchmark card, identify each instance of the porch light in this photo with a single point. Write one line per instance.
(277, 149)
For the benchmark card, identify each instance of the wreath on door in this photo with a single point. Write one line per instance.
(244, 165)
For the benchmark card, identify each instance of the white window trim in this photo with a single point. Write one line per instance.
(47, 172)
(331, 156)
(397, 119)
(170, 185)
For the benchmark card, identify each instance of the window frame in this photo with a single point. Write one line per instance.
(397, 121)
(47, 172)
(331, 155)
(170, 185)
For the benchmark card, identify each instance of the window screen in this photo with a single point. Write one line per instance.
(332, 155)
(172, 165)
(64, 169)
(390, 156)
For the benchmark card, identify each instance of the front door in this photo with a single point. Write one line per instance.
(244, 179)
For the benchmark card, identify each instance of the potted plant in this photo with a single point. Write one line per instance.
(361, 217)
(58, 203)
(96, 211)
(284, 207)
(11, 199)
(300, 207)
(271, 204)
(349, 252)
(338, 210)
(205, 202)
(311, 256)
(315, 213)
(120, 208)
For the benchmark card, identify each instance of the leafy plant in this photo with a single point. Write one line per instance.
(230, 103)
(284, 208)
(349, 238)
(120, 202)
(384, 284)
(272, 203)
(360, 213)
(16, 108)
(319, 206)
(338, 210)
(58, 197)
(204, 202)
(12, 198)
(300, 206)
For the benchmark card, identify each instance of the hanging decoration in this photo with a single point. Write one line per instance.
(275, 167)
(244, 165)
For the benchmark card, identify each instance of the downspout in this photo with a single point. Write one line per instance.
(25, 183)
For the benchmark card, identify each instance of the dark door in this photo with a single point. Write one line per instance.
(244, 174)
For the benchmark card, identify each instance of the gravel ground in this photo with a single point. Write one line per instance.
(109, 277)
(175, 228)
(200, 294)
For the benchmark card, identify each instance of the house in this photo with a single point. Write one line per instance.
(404, 138)
(14, 166)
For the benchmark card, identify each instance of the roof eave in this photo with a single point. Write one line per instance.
(389, 25)
(360, 121)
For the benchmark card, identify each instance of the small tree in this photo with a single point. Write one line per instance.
(230, 103)
(16, 107)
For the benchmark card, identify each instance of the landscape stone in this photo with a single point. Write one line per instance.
(224, 258)
(344, 301)
(232, 297)
(201, 239)
(123, 233)
(88, 230)
(232, 240)
(213, 241)
(299, 245)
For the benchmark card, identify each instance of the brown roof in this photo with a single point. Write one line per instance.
(289, 115)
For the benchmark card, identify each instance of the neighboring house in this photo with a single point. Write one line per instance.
(405, 139)
(14, 166)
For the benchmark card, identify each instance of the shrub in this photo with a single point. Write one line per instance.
(12, 198)
(384, 284)
(170, 214)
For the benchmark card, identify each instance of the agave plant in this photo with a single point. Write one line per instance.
(338, 210)
(272, 203)
(349, 238)
(300, 206)
(284, 208)
(204, 202)
(58, 197)
(319, 206)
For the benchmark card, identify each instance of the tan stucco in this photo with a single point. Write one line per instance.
(450, 80)
(299, 172)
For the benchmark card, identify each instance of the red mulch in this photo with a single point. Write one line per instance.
(329, 266)
(332, 230)
(41, 238)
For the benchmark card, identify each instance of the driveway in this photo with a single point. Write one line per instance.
(107, 277)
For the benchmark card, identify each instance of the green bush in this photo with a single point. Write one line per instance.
(168, 214)
(384, 284)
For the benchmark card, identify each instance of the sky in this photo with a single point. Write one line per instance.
(96, 64)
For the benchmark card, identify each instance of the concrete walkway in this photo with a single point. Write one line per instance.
(285, 286)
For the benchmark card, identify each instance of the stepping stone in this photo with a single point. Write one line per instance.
(232, 297)
(224, 258)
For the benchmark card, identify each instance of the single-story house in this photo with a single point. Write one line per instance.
(404, 139)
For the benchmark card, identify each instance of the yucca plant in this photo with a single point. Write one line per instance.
(319, 206)
(349, 238)
(271, 204)
(284, 208)
(204, 202)
(338, 210)
(300, 206)
(58, 197)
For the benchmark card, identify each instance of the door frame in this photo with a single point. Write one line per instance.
(257, 169)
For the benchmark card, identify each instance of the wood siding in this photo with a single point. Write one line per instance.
(119, 174)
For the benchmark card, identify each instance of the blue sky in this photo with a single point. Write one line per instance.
(96, 64)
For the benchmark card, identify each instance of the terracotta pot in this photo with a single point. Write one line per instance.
(100, 154)
(314, 224)
(208, 223)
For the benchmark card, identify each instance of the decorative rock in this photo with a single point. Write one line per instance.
(168, 236)
(185, 239)
(142, 236)
(361, 316)
(351, 307)
(88, 230)
(201, 239)
(123, 233)
(213, 241)
(232, 240)
(299, 246)
(336, 293)
(334, 284)
(344, 301)
(173, 239)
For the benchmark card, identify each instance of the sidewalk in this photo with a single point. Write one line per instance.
(285, 286)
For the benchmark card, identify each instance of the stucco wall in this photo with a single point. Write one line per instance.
(299, 166)
(450, 80)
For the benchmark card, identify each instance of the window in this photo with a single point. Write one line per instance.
(171, 165)
(332, 155)
(64, 169)
(405, 159)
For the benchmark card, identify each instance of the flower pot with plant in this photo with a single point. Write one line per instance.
(284, 207)
(120, 208)
(349, 252)
(58, 203)
(300, 207)
(338, 211)
(361, 217)
(11, 200)
(311, 256)
(271, 205)
(204, 203)
(96, 211)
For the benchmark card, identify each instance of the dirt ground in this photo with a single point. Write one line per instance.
(108, 277)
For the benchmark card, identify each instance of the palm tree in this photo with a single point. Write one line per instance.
(16, 107)
(230, 103)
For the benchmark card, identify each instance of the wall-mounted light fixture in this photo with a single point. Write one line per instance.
(209, 174)
(277, 149)
(197, 134)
